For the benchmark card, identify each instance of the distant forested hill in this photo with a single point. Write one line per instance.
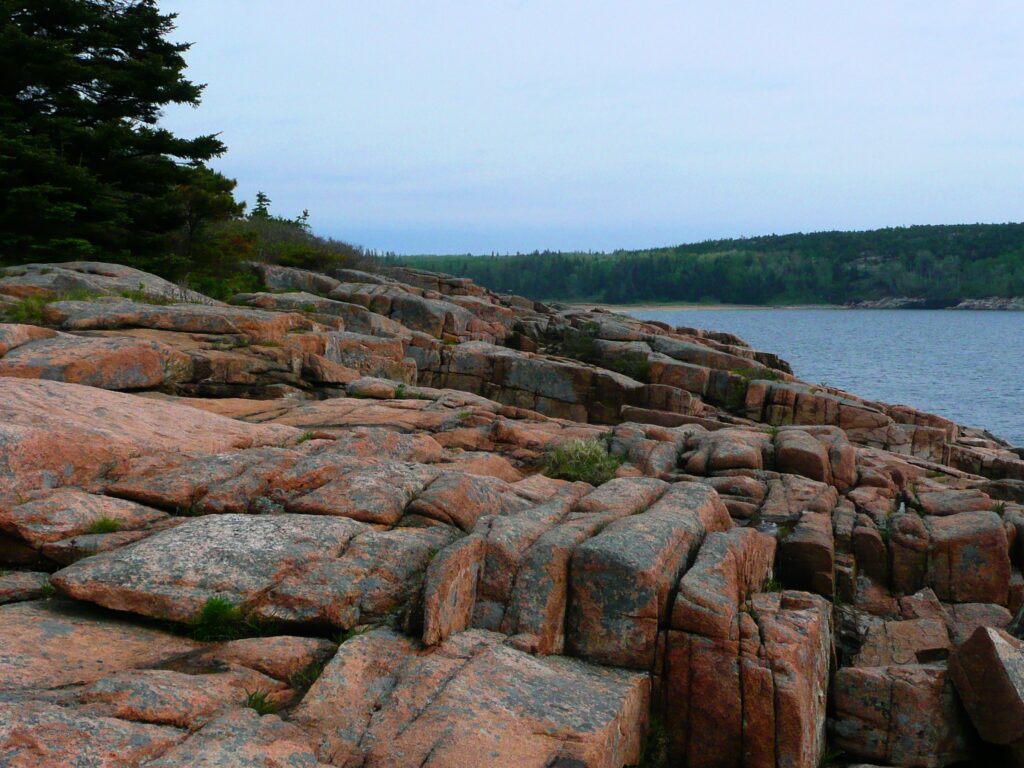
(939, 263)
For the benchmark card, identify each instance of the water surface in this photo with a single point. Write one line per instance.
(965, 365)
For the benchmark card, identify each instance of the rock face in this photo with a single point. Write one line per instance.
(312, 527)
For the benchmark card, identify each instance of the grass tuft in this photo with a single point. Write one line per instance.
(220, 619)
(28, 311)
(105, 524)
(586, 460)
(258, 701)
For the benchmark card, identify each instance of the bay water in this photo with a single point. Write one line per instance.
(965, 365)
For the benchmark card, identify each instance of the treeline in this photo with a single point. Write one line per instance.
(938, 263)
(88, 172)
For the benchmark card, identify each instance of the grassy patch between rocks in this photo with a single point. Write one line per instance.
(258, 701)
(220, 619)
(105, 525)
(586, 460)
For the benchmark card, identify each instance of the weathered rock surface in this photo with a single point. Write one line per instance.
(313, 528)
(473, 699)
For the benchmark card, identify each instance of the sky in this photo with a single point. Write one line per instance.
(513, 125)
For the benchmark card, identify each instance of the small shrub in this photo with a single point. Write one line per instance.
(400, 392)
(586, 460)
(305, 437)
(772, 585)
(48, 590)
(258, 701)
(28, 310)
(999, 508)
(105, 524)
(773, 432)
(220, 619)
(268, 343)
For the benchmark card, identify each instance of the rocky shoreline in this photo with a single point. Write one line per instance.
(321, 525)
(1015, 303)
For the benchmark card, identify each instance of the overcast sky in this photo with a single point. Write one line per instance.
(441, 126)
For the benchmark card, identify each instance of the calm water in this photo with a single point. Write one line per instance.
(967, 366)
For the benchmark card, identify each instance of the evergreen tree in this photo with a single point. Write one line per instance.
(85, 169)
(262, 208)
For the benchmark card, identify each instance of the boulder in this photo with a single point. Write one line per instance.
(236, 558)
(378, 577)
(798, 453)
(108, 363)
(383, 700)
(34, 733)
(91, 277)
(450, 587)
(969, 558)
(988, 671)
(19, 586)
(254, 324)
(53, 433)
(905, 715)
(620, 580)
(49, 516)
(242, 739)
(53, 643)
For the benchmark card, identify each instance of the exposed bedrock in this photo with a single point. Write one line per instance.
(395, 519)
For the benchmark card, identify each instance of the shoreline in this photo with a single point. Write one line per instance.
(753, 307)
(709, 307)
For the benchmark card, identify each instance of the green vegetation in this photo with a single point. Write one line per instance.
(105, 524)
(999, 508)
(305, 437)
(938, 263)
(84, 168)
(28, 310)
(88, 172)
(586, 460)
(258, 700)
(220, 619)
(772, 585)
(47, 591)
